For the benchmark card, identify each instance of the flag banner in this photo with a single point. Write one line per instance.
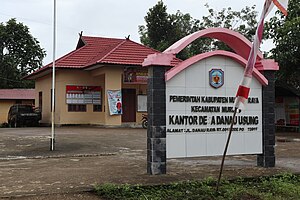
(114, 102)
(244, 88)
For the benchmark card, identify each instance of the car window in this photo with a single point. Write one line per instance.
(25, 109)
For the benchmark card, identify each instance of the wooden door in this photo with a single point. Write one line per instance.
(129, 105)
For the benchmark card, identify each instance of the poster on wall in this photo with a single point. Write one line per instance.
(114, 102)
(78, 94)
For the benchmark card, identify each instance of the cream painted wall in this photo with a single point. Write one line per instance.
(6, 104)
(77, 77)
(43, 85)
(64, 77)
(4, 108)
(113, 81)
(108, 77)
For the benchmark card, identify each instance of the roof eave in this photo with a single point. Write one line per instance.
(103, 64)
(38, 74)
(93, 66)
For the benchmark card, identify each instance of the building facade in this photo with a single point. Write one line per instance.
(87, 76)
(9, 97)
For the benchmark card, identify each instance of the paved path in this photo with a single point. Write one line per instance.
(86, 156)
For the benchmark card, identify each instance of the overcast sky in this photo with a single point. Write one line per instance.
(105, 18)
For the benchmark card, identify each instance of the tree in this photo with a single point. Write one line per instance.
(20, 54)
(163, 29)
(243, 22)
(159, 27)
(173, 27)
(284, 31)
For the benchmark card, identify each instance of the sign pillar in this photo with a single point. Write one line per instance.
(156, 132)
(267, 158)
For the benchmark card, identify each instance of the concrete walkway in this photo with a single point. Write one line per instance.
(86, 156)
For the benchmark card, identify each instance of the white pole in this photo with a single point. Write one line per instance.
(52, 148)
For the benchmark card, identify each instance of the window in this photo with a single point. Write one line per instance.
(25, 109)
(76, 108)
(142, 103)
(97, 108)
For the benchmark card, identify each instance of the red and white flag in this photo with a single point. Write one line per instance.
(244, 88)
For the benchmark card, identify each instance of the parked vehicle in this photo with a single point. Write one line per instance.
(23, 115)
(144, 121)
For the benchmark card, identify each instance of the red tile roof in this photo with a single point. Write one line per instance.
(17, 94)
(97, 50)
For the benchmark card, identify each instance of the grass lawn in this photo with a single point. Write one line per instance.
(282, 186)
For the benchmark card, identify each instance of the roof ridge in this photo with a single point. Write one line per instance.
(145, 46)
(86, 36)
(152, 49)
(178, 59)
(124, 40)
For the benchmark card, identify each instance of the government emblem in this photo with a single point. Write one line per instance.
(216, 78)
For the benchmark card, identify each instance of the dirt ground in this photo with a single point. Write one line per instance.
(86, 156)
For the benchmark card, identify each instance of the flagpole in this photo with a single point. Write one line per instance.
(244, 87)
(52, 140)
(225, 150)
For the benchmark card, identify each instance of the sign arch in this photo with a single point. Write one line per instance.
(239, 43)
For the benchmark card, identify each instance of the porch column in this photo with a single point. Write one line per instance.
(113, 81)
(156, 132)
(157, 65)
(267, 158)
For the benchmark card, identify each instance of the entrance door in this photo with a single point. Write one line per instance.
(128, 105)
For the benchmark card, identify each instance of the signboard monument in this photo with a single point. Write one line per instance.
(190, 106)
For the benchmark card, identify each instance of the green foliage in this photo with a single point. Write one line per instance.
(282, 186)
(284, 31)
(158, 24)
(163, 29)
(23, 54)
(243, 21)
